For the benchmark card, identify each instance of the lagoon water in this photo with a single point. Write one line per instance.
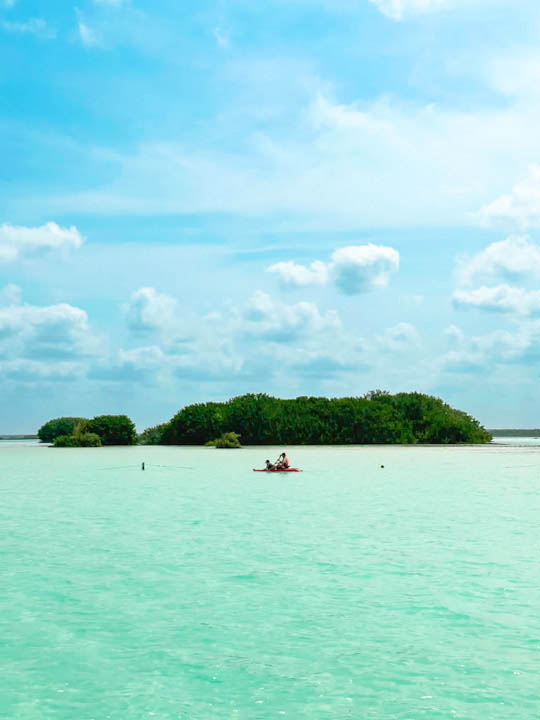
(200, 590)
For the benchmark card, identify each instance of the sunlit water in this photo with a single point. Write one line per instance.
(198, 589)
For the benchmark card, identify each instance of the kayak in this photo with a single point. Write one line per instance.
(278, 470)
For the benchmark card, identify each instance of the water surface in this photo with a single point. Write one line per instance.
(198, 589)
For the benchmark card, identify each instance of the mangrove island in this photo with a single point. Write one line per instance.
(259, 419)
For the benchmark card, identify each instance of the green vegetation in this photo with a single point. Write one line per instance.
(78, 440)
(375, 418)
(59, 426)
(80, 432)
(229, 440)
(152, 435)
(259, 419)
(113, 429)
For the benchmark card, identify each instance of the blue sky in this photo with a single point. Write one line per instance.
(201, 199)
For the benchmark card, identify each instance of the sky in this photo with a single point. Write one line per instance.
(298, 197)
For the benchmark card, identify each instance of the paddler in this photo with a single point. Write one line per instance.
(283, 462)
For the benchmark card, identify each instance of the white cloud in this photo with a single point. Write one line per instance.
(262, 336)
(353, 269)
(34, 26)
(481, 354)
(267, 319)
(397, 9)
(455, 335)
(520, 207)
(293, 275)
(149, 310)
(146, 363)
(358, 268)
(502, 298)
(49, 335)
(147, 357)
(23, 370)
(513, 258)
(10, 295)
(87, 36)
(20, 241)
(335, 165)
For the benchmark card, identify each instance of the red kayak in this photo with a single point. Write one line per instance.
(278, 470)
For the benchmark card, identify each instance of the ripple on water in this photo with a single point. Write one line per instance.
(214, 594)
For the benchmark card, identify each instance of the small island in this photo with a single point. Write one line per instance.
(81, 432)
(259, 419)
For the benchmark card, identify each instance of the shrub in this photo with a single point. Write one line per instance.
(59, 426)
(228, 440)
(79, 440)
(66, 441)
(113, 429)
(152, 435)
(89, 440)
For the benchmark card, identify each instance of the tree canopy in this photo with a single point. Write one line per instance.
(80, 432)
(78, 440)
(58, 426)
(113, 429)
(377, 417)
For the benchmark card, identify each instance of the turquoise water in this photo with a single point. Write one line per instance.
(347, 591)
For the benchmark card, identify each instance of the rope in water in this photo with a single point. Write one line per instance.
(138, 465)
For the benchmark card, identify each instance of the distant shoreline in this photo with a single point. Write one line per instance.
(514, 432)
(18, 437)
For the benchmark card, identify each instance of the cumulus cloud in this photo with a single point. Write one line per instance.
(265, 318)
(293, 275)
(501, 298)
(521, 206)
(144, 363)
(149, 310)
(358, 268)
(54, 331)
(43, 343)
(397, 9)
(353, 269)
(481, 354)
(513, 258)
(20, 241)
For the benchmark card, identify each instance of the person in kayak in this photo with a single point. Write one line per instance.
(270, 466)
(283, 462)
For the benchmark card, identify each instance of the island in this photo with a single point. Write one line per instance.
(259, 419)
